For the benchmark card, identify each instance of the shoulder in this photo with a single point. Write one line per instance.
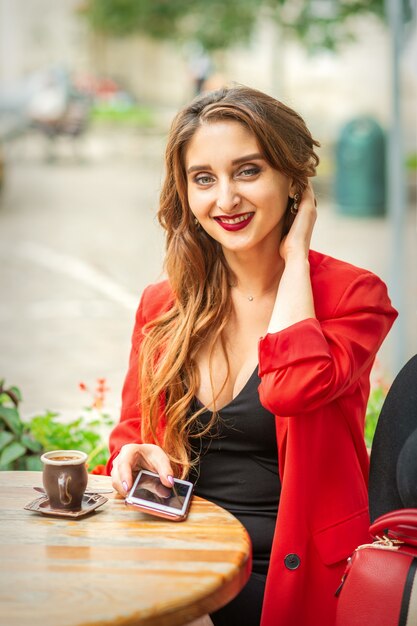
(156, 298)
(334, 280)
(323, 265)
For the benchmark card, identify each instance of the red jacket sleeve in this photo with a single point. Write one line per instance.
(313, 362)
(156, 299)
(128, 428)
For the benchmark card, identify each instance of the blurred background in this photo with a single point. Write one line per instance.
(88, 91)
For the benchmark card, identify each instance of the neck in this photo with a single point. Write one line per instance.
(254, 275)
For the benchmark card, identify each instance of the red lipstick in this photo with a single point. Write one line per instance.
(235, 222)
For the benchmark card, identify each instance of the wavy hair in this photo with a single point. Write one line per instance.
(198, 274)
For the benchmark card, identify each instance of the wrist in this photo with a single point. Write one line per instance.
(297, 257)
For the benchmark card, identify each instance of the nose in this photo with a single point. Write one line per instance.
(227, 199)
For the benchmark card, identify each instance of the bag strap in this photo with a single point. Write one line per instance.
(400, 524)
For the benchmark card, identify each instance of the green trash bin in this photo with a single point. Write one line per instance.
(360, 168)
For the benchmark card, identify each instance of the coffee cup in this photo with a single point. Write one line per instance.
(65, 478)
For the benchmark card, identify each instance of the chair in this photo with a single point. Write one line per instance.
(379, 587)
(393, 473)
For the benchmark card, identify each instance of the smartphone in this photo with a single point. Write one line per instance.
(150, 496)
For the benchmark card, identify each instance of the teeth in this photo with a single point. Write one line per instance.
(235, 220)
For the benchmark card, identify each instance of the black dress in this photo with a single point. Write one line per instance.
(238, 469)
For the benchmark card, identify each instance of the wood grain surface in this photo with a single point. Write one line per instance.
(115, 566)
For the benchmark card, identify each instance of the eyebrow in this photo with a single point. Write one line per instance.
(256, 156)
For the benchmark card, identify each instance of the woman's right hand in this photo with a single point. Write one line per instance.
(297, 241)
(135, 456)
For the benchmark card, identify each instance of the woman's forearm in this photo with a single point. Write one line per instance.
(294, 301)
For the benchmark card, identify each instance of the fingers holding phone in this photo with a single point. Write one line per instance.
(150, 496)
(133, 457)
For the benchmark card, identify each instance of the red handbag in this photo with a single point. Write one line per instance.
(379, 586)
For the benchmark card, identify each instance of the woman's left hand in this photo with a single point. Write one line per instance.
(297, 242)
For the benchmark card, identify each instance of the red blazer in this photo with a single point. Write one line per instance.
(315, 380)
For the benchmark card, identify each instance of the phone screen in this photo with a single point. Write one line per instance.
(151, 489)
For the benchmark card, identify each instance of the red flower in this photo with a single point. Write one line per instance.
(99, 469)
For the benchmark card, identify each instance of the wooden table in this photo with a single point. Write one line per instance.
(115, 566)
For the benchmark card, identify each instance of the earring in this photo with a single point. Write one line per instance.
(197, 223)
(294, 207)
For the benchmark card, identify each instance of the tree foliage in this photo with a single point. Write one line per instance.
(218, 24)
(158, 18)
(324, 23)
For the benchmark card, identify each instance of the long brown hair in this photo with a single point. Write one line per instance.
(195, 265)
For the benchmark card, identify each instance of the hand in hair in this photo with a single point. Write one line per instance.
(294, 305)
(134, 456)
(297, 242)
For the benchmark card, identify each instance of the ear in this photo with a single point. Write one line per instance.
(292, 190)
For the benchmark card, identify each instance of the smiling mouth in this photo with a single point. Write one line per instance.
(237, 222)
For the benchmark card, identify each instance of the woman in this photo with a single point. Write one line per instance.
(249, 368)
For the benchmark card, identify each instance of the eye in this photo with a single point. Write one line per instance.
(249, 171)
(203, 179)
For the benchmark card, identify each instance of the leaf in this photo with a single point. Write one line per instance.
(100, 458)
(16, 391)
(5, 438)
(12, 452)
(4, 399)
(7, 468)
(373, 410)
(33, 463)
(30, 443)
(19, 465)
(12, 419)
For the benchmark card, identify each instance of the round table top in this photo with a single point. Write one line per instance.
(115, 565)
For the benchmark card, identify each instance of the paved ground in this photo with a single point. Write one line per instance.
(78, 242)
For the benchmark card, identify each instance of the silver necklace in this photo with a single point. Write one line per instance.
(250, 297)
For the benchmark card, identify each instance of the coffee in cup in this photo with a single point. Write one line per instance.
(65, 478)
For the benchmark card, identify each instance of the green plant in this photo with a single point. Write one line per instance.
(134, 115)
(373, 409)
(19, 450)
(22, 443)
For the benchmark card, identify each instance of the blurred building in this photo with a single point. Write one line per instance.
(326, 88)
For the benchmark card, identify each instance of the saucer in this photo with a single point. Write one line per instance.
(88, 505)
